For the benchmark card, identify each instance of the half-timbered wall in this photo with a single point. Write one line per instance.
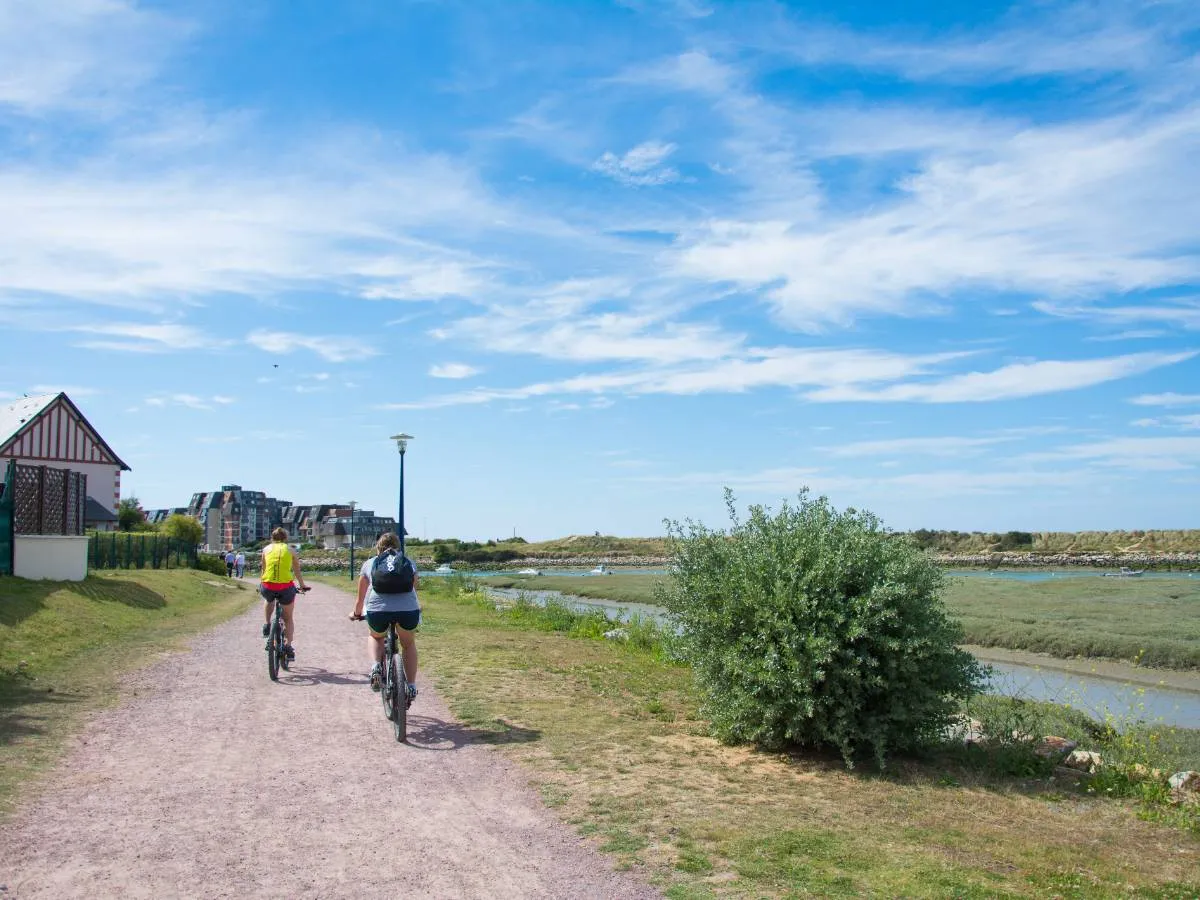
(56, 437)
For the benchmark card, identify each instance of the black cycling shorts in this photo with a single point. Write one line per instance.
(379, 621)
(285, 597)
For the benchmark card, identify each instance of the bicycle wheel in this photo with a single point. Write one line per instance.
(283, 657)
(385, 690)
(399, 702)
(273, 646)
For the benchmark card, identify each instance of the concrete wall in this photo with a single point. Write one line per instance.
(53, 556)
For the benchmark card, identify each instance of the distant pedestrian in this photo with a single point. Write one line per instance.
(240, 562)
(230, 562)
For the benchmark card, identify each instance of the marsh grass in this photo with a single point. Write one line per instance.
(622, 755)
(1149, 622)
(65, 645)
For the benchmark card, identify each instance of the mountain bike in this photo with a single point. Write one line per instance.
(393, 683)
(276, 654)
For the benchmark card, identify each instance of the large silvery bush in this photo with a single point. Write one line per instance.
(812, 627)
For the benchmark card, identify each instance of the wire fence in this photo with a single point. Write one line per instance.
(134, 550)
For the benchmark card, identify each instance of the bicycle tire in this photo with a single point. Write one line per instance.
(399, 702)
(385, 690)
(273, 654)
(283, 657)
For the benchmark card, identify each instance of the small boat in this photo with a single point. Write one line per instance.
(601, 569)
(443, 569)
(529, 572)
(1125, 572)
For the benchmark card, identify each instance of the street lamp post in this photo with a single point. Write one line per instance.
(401, 440)
(352, 503)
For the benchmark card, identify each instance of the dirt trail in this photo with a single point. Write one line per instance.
(210, 781)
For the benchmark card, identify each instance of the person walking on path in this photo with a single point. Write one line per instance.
(230, 561)
(240, 562)
(280, 573)
(385, 606)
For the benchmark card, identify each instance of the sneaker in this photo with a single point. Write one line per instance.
(376, 676)
(412, 692)
(289, 651)
(266, 628)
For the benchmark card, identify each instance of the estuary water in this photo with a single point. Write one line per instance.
(1125, 701)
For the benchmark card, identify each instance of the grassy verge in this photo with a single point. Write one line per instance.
(63, 647)
(1149, 621)
(611, 737)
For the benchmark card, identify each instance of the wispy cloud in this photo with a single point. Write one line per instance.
(1170, 398)
(1155, 454)
(329, 348)
(190, 401)
(80, 54)
(1184, 313)
(130, 337)
(453, 370)
(640, 166)
(925, 446)
(1009, 382)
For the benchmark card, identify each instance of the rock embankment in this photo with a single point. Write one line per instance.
(1013, 560)
(1161, 561)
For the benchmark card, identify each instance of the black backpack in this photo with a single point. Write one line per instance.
(393, 573)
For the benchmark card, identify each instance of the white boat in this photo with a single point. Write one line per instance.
(1125, 572)
(529, 572)
(601, 569)
(443, 569)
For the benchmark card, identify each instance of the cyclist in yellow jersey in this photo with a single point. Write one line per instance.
(280, 572)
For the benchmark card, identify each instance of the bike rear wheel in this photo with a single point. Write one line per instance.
(387, 688)
(399, 703)
(273, 652)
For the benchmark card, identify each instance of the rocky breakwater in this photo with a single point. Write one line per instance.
(1164, 561)
(576, 562)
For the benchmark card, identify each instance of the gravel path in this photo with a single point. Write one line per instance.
(210, 781)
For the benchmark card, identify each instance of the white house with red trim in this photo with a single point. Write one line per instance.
(49, 430)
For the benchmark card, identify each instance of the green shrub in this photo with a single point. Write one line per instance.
(814, 628)
(210, 562)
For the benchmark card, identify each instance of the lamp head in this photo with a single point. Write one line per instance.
(402, 440)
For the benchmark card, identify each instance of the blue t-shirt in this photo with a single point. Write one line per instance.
(406, 602)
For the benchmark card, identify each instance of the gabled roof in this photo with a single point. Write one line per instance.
(95, 512)
(19, 415)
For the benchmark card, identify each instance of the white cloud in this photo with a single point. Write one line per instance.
(777, 367)
(640, 166)
(148, 230)
(145, 338)
(1155, 454)
(453, 370)
(80, 54)
(1009, 382)
(927, 446)
(190, 401)
(1170, 398)
(1179, 314)
(332, 349)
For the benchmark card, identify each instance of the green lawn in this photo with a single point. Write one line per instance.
(1154, 621)
(64, 645)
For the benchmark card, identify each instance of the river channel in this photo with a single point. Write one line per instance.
(1099, 693)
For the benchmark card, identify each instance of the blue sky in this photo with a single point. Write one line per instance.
(939, 261)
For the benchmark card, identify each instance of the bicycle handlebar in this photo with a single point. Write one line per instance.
(354, 618)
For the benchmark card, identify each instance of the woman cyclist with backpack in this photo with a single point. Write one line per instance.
(387, 589)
